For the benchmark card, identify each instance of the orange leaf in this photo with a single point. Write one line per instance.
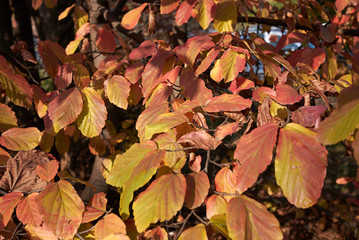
(225, 182)
(168, 6)
(199, 231)
(17, 139)
(47, 171)
(225, 130)
(197, 189)
(215, 205)
(254, 151)
(207, 61)
(61, 209)
(200, 139)
(157, 233)
(4, 157)
(117, 89)
(65, 108)
(300, 165)
(50, 52)
(134, 72)
(36, 3)
(64, 76)
(111, 227)
(65, 13)
(27, 211)
(194, 88)
(105, 40)
(259, 94)
(96, 208)
(240, 84)
(7, 204)
(227, 103)
(130, 19)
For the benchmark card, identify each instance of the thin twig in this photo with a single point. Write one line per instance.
(179, 150)
(184, 224)
(87, 230)
(79, 236)
(220, 164)
(204, 128)
(223, 194)
(200, 219)
(14, 232)
(207, 161)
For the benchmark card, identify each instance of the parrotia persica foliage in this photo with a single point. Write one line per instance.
(263, 97)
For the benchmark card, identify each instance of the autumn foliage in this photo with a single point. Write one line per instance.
(209, 117)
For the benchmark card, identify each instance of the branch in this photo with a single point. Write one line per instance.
(282, 23)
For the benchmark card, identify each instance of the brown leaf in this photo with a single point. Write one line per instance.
(200, 139)
(20, 172)
(264, 115)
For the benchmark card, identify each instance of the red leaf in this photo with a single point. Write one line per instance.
(225, 181)
(254, 151)
(130, 19)
(207, 61)
(36, 3)
(259, 94)
(240, 84)
(291, 38)
(161, 94)
(27, 211)
(312, 57)
(147, 48)
(225, 130)
(184, 11)
(50, 52)
(134, 72)
(48, 170)
(227, 103)
(65, 108)
(168, 6)
(194, 88)
(197, 189)
(7, 204)
(341, 4)
(96, 208)
(64, 76)
(287, 95)
(308, 116)
(105, 40)
(200, 139)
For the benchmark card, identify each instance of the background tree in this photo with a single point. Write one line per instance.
(172, 119)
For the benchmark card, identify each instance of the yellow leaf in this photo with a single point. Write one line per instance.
(226, 16)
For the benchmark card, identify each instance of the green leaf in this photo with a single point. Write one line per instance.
(94, 114)
(61, 209)
(250, 220)
(300, 165)
(226, 16)
(161, 200)
(343, 120)
(17, 139)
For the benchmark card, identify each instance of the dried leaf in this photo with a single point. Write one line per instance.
(200, 139)
(48, 170)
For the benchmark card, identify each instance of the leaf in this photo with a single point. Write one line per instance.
(332, 64)
(64, 76)
(65, 108)
(312, 57)
(226, 16)
(161, 94)
(308, 116)
(341, 4)
(259, 94)
(50, 52)
(200, 139)
(105, 228)
(289, 38)
(168, 6)
(140, 175)
(163, 123)
(81, 75)
(287, 95)
(130, 19)
(47, 171)
(194, 88)
(94, 114)
(7, 204)
(206, 12)
(61, 209)
(227, 103)
(232, 63)
(50, 3)
(36, 4)
(105, 40)
(4, 157)
(27, 211)
(240, 84)
(225, 182)
(225, 130)
(184, 11)
(125, 163)
(17, 139)
(96, 208)
(343, 120)
(157, 233)
(117, 89)
(197, 189)
(146, 48)
(166, 194)
(248, 219)
(299, 156)
(134, 72)
(215, 205)
(148, 116)
(207, 61)
(97, 146)
(39, 233)
(65, 13)
(216, 72)
(8, 119)
(20, 172)
(254, 152)
(199, 231)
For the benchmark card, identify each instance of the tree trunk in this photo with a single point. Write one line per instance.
(6, 36)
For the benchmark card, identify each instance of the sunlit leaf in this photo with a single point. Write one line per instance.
(207, 61)
(61, 209)
(289, 38)
(226, 16)
(168, 6)
(157, 233)
(199, 231)
(225, 182)
(65, 13)
(134, 72)
(300, 165)
(215, 205)
(130, 19)
(206, 11)
(197, 189)
(7, 119)
(166, 195)
(96, 208)
(146, 48)
(64, 76)
(27, 211)
(240, 84)
(259, 94)
(17, 139)
(111, 227)
(7, 204)
(48, 170)
(65, 108)
(287, 95)
(200, 139)
(40, 232)
(312, 57)
(94, 114)
(194, 88)
(228, 103)
(225, 130)
(232, 63)
(36, 3)
(248, 219)
(117, 89)
(343, 120)
(184, 11)
(105, 40)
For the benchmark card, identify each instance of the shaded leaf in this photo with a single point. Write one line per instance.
(97, 146)
(200, 139)
(105, 228)
(48, 170)
(259, 94)
(94, 114)
(81, 75)
(65, 108)
(228, 103)
(168, 6)
(40, 233)
(96, 208)
(157, 233)
(61, 209)
(7, 204)
(312, 57)
(289, 38)
(194, 88)
(254, 151)
(308, 116)
(105, 40)
(166, 194)
(51, 53)
(343, 120)
(299, 155)
(64, 76)
(117, 89)
(130, 19)
(197, 189)
(36, 3)
(8, 119)
(207, 61)
(199, 231)
(226, 16)
(4, 157)
(134, 72)
(17, 139)
(248, 219)
(27, 211)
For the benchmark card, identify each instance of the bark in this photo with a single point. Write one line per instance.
(6, 36)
